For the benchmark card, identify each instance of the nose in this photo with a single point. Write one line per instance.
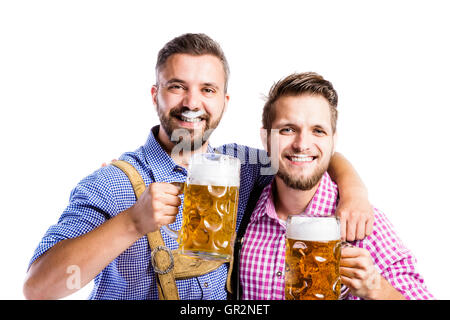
(302, 142)
(191, 100)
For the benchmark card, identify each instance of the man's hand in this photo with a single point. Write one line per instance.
(104, 164)
(157, 206)
(358, 273)
(356, 217)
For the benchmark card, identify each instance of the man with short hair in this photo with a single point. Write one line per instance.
(101, 233)
(301, 110)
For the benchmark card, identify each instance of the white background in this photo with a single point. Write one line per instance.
(75, 79)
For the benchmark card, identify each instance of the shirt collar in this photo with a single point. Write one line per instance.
(158, 160)
(265, 205)
(322, 204)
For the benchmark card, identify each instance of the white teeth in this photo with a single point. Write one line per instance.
(192, 114)
(190, 119)
(301, 158)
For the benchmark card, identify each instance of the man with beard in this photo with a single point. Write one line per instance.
(101, 233)
(301, 110)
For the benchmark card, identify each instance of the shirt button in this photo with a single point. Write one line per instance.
(279, 274)
(205, 284)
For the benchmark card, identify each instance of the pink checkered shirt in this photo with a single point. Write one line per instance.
(263, 251)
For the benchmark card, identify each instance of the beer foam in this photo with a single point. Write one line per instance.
(223, 172)
(313, 229)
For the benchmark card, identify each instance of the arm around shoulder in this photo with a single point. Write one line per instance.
(354, 209)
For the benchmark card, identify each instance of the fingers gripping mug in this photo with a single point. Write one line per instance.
(210, 205)
(313, 253)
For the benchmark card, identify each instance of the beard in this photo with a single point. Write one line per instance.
(303, 183)
(192, 139)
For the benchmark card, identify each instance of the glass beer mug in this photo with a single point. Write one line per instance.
(313, 253)
(210, 205)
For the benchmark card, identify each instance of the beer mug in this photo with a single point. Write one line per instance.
(313, 253)
(210, 205)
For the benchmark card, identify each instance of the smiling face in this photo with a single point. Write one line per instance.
(305, 139)
(190, 95)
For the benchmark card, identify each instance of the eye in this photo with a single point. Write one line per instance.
(286, 130)
(209, 90)
(175, 87)
(319, 131)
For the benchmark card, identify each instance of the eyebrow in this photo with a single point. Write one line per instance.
(211, 84)
(326, 129)
(285, 124)
(207, 84)
(289, 124)
(175, 80)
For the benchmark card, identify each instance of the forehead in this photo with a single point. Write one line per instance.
(192, 69)
(305, 109)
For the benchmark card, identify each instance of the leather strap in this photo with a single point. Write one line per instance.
(187, 267)
(167, 288)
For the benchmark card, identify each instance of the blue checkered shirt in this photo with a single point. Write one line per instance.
(107, 192)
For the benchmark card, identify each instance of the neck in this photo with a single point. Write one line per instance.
(290, 201)
(175, 150)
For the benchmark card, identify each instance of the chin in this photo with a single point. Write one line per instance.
(303, 182)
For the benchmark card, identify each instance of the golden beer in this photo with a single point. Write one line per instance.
(211, 193)
(209, 221)
(313, 253)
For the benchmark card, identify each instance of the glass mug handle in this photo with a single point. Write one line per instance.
(345, 291)
(170, 232)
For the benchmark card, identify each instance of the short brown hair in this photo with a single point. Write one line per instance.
(196, 44)
(298, 84)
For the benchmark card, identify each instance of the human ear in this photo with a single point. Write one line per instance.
(154, 92)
